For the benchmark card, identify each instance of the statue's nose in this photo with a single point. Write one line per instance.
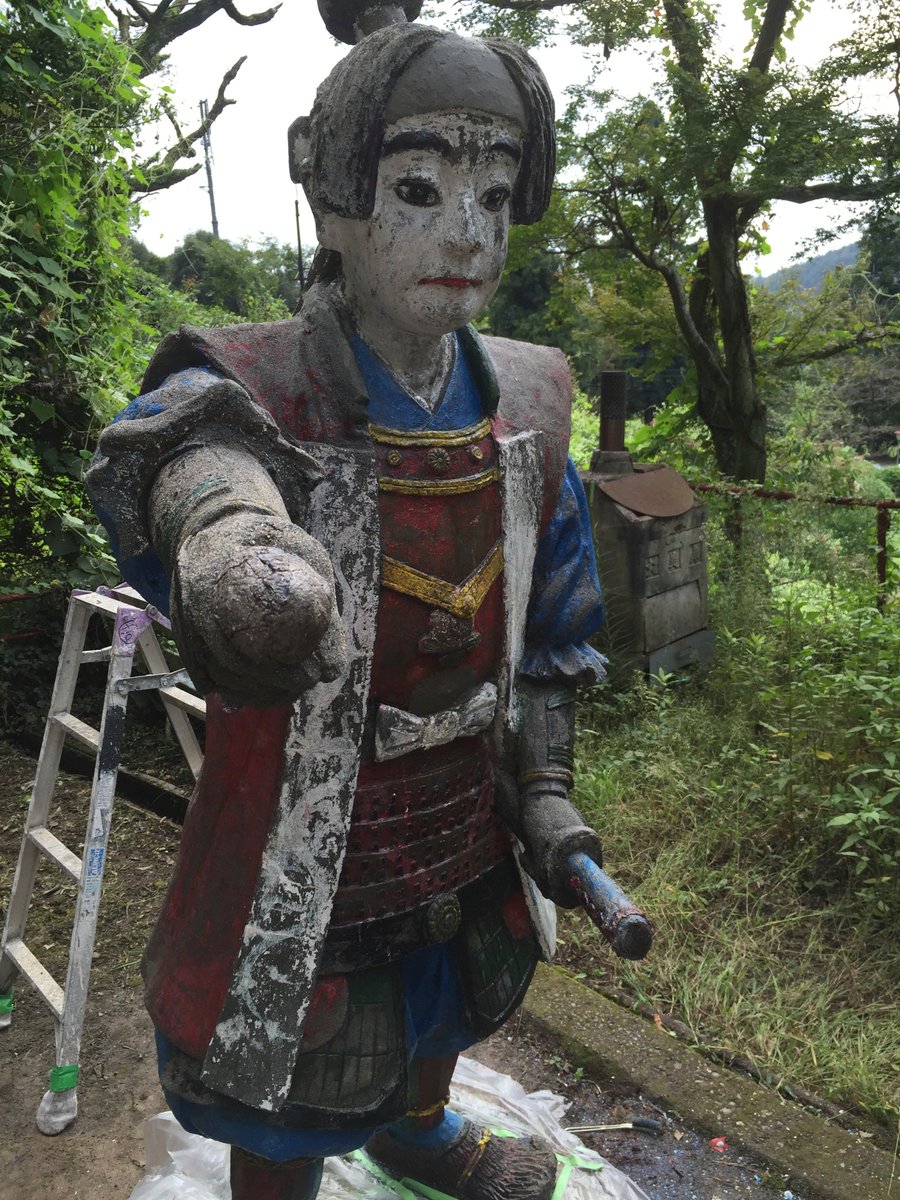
(467, 228)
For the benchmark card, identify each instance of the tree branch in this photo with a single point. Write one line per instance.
(702, 352)
(253, 18)
(869, 336)
(145, 14)
(683, 32)
(804, 193)
(528, 5)
(163, 174)
(164, 179)
(770, 31)
(170, 21)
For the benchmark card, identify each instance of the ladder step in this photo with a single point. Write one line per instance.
(128, 595)
(53, 848)
(105, 604)
(81, 732)
(93, 656)
(186, 700)
(37, 975)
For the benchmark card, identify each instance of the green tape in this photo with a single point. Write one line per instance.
(7, 1004)
(410, 1189)
(562, 1183)
(63, 1078)
(382, 1176)
(430, 1193)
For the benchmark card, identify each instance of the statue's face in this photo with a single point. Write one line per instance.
(429, 258)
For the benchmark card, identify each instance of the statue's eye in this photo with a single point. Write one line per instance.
(418, 193)
(495, 198)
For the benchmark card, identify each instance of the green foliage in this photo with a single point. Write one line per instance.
(601, 314)
(823, 694)
(755, 812)
(881, 246)
(679, 182)
(68, 97)
(78, 314)
(891, 476)
(256, 283)
(585, 425)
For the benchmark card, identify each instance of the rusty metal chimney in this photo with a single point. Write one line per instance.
(612, 458)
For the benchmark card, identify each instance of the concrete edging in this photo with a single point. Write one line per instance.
(821, 1160)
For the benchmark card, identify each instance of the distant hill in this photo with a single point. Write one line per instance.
(809, 274)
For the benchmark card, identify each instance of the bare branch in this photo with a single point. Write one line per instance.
(169, 109)
(163, 174)
(253, 18)
(170, 21)
(145, 14)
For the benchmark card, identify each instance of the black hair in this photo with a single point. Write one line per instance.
(345, 129)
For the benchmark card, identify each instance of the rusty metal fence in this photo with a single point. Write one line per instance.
(740, 499)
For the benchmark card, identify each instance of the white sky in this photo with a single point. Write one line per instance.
(287, 59)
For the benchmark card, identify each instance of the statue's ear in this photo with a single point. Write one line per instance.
(298, 150)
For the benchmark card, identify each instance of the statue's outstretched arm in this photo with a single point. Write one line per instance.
(252, 594)
(204, 497)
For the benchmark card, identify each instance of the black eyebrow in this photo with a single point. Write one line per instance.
(427, 139)
(418, 139)
(508, 146)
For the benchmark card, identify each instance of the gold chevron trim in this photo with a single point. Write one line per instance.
(430, 437)
(461, 599)
(440, 487)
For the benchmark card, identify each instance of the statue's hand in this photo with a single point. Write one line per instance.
(551, 830)
(256, 614)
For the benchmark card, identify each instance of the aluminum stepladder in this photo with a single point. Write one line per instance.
(133, 631)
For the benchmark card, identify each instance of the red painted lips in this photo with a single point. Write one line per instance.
(454, 281)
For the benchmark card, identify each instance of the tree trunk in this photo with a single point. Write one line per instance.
(739, 439)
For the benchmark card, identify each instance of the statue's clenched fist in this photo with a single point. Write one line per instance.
(253, 600)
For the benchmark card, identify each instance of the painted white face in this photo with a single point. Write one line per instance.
(429, 258)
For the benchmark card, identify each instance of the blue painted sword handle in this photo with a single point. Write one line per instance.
(621, 922)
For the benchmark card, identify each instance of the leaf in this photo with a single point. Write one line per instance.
(22, 465)
(41, 409)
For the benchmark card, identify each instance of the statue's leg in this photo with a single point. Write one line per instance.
(437, 1147)
(254, 1178)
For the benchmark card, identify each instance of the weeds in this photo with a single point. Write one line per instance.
(755, 813)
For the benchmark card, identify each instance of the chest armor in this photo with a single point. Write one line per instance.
(423, 824)
(441, 604)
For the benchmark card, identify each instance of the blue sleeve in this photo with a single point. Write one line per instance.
(566, 606)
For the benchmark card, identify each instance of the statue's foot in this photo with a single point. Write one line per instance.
(476, 1166)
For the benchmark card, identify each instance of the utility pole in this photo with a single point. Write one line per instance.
(207, 154)
(300, 248)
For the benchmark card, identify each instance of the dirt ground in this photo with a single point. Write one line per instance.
(102, 1155)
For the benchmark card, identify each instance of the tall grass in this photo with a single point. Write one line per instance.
(755, 812)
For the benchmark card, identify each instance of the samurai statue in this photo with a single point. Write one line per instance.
(377, 560)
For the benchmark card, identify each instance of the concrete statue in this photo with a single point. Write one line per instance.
(378, 565)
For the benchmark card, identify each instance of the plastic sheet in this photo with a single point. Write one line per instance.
(182, 1166)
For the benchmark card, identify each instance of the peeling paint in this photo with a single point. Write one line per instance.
(253, 1050)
